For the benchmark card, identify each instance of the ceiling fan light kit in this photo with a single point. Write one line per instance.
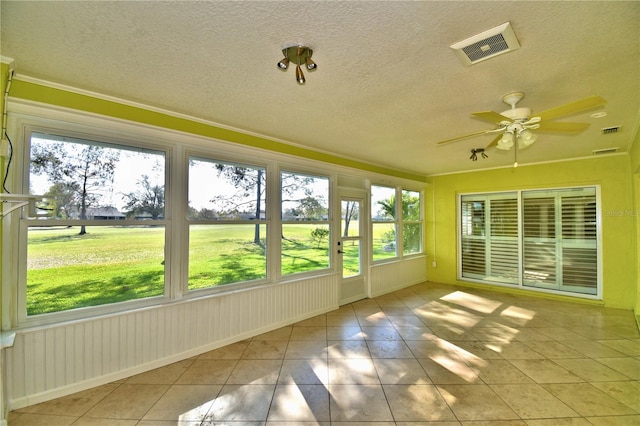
(299, 55)
(514, 126)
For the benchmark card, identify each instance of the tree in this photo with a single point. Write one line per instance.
(410, 211)
(62, 196)
(350, 212)
(81, 168)
(148, 199)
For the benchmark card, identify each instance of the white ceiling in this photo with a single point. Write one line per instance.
(388, 86)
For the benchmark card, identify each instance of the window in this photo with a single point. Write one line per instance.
(411, 222)
(101, 238)
(383, 222)
(305, 223)
(543, 238)
(227, 223)
(385, 225)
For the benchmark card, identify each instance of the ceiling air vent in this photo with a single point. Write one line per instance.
(487, 44)
(604, 151)
(610, 130)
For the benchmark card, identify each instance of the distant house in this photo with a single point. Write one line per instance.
(100, 213)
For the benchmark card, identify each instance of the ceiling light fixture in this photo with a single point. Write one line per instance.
(298, 54)
(475, 152)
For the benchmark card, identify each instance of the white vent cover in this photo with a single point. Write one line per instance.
(487, 44)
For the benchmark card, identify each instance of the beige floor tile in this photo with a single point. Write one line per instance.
(626, 346)
(496, 371)
(482, 350)
(345, 333)
(592, 349)
(300, 403)
(515, 350)
(207, 372)
(352, 371)
(380, 333)
(389, 349)
(309, 333)
(591, 370)
(545, 371)
(255, 372)
(560, 333)
(342, 321)
(449, 370)
(587, 400)
(240, 403)
(184, 403)
(553, 349)
(282, 333)
(232, 351)
(531, 401)
(376, 319)
(417, 403)
(570, 421)
(359, 403)
(265, 349)
(409, 320)
(300, 349)
(128, 402)
(401, 372)
(76, 404)
(627, 392)
(615, 420)
(304, 372)
(86, 421)
(348, 349)
(317, 321)
(413, 332)
(628, 366)
(32, 419)
(161, 376)
(475, 402)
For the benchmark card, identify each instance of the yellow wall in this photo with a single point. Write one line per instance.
(612, 173)
(635, 169)
(4, 75)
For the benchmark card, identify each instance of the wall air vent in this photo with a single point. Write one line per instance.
(487, 44)
(604, 151)
(610, 130)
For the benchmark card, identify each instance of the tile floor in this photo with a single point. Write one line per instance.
(428, 354)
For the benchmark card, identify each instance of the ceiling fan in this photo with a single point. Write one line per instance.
(516, 124)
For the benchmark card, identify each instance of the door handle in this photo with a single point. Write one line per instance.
(340, 252)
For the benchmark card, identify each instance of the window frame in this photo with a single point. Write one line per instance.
(214, 158)
(22, 171)
(399, 222)
(329, 222)
(520, 195)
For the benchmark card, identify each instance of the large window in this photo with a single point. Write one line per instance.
(305, 222)
(391, 221)
(545, 239)
(227, 223)
(100, 238)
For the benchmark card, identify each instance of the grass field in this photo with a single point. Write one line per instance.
(114, 264)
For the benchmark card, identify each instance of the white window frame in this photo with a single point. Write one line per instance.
(520, 278)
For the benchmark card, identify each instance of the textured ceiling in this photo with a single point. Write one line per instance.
(387, 88)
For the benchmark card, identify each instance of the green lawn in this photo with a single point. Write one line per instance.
(115, 264)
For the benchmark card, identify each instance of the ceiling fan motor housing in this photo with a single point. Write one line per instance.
(518, 113)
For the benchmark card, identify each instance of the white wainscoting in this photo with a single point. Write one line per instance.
(388, 277)
(53, 361)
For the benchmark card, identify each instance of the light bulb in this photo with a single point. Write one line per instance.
(506, 142)
(283, 64)
(299, 75)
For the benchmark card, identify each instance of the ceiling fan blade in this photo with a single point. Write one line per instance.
(572, 107)
(494, 142)
(481, 132)
(558, 126)
(491, 117)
